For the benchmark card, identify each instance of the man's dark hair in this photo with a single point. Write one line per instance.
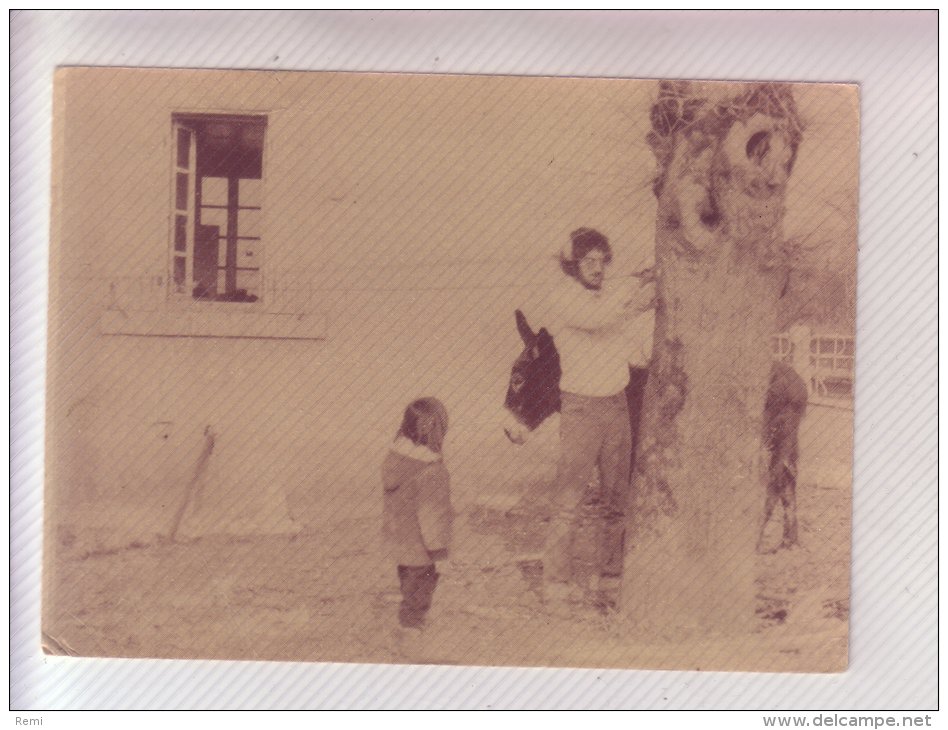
(583, 241)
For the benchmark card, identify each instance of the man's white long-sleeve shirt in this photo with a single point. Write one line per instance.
(597, 336)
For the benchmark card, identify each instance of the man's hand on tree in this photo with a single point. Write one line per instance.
(640, 295)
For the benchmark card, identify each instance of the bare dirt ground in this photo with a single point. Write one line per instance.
(322, 595)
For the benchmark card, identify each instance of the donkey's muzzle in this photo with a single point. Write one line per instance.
(514, 430)
(516, 438)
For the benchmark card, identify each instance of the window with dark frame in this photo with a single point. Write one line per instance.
(217, 207)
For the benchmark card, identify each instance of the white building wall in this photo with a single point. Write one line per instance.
(414, 213)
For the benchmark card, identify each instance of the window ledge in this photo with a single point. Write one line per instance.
(213, 322)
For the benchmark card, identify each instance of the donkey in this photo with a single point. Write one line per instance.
(787, 396)
(533, 395)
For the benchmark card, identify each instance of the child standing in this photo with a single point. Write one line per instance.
(417, 512)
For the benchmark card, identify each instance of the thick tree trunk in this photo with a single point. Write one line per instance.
(725, 153)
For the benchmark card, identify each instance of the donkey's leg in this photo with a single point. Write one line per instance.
(788, 495)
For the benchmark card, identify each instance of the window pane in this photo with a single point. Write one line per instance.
(246, 290)
(251, 136)
(213, 191)
(249, 281)
(215, 217)
(251, 192)
(248, 223)
(205, 261)
(181, 191)
(180, 233)
(184, 147)
(179, 273)
(248, 253)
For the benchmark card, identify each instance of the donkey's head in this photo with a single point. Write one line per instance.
(533, 394)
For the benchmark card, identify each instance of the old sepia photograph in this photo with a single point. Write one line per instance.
(451, 369)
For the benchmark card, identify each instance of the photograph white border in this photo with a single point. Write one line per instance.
(891, 55)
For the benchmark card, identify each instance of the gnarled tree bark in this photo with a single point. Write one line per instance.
(725, 153)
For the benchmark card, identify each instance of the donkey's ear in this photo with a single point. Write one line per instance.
(526, 334)
(544, 339)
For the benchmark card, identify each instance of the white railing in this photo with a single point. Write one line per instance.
(825, 360)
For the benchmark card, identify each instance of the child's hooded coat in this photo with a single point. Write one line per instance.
(417, 512)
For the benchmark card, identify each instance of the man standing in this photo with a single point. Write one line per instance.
(592, 320)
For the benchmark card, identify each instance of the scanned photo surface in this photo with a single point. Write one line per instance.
(438, 369)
